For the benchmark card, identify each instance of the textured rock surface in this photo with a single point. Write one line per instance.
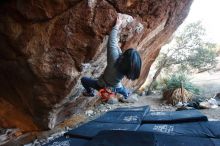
(45, 44)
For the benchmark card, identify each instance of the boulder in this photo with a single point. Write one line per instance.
(44, 45)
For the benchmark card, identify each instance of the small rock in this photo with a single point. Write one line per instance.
(112, 101)
(67, 128)
(139, 28)
(89, 112)
(3, 138)
(131, 99)
(86, 66)
(50, 138)
(36, 143)
(166, 107)
(42, 141)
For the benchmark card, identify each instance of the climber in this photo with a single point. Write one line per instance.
(118, 65)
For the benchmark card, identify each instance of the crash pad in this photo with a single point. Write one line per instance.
(140, 138)
(122, 138)
(128, 115)
(121, 117)
(145, 109)
(90, 129)
(170, 140)
(174, 116)
(210, 129)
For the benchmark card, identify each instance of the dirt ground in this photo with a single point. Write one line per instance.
(156, 103)
(209, 84)
(209, 81)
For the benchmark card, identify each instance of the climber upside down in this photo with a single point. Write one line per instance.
(119, 65)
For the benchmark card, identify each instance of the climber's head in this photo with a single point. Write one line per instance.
(130, 64)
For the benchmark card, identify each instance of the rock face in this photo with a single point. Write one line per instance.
(46, 46)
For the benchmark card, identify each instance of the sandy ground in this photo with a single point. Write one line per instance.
(157, 104)
(209, 81)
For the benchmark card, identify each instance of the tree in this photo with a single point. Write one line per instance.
(188, 50)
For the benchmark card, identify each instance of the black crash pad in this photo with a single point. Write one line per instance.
(63, 141)
(200, 129)
(144, 109)
(170, 140)
(134, 138)
(122, 138)
(128, 117)
(174, 117)
(90, 129)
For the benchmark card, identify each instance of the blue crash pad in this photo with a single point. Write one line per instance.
(174, 117)
(169, 140)
(63, 141)
(90, 129)
(144, 109)
(135, 138)
(132, 115)
(200, 129)
(121, 117)
(122, 138)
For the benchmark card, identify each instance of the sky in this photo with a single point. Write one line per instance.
(207, 11)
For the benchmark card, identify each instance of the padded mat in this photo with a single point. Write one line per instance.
(145, 109)
(174, 117)
(134, 138)
(90, 129)
(128, 117)
(200, 129)
(169, 140)
(122, 138)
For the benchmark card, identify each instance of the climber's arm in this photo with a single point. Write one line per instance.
(113, 50)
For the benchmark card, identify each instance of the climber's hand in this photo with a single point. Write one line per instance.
(119, 21)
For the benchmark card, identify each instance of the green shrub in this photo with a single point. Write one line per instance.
(162, 82)
(155, 85)
(174, 81)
